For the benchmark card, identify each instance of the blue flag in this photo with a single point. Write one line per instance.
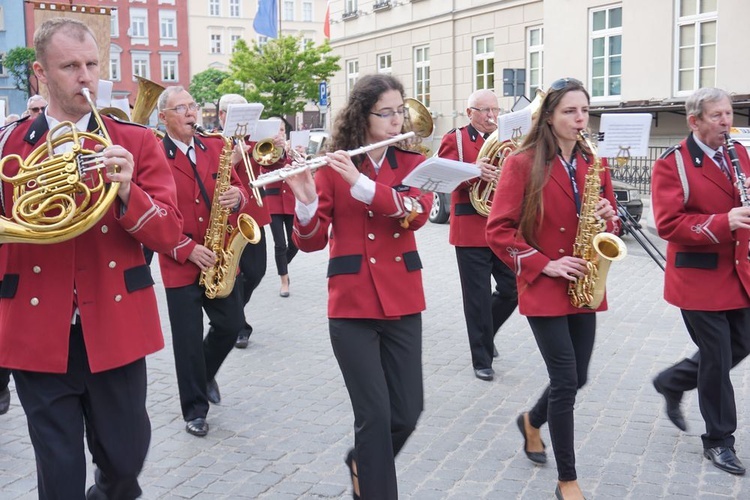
(267, 19)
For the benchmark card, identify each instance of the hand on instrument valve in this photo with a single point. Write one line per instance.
(568, 267)
(605, 210)
(489, 172)
(303, 186)
(202, 257)
(231, 198)
(119, 165)
(341, 162)
(739, 217)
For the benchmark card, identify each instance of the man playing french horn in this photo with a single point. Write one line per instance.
(485, 311)
(196, 162)
(78, 315)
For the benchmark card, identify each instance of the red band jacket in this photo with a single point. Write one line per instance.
(374, 271)
(467, 227)
(176, 269)
(105, 266)
(539, 294)
(279, 197)
(707, 263)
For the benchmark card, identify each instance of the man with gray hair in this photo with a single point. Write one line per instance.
(35, 106)
(696, 189)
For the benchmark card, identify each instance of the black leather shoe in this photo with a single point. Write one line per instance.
(724, 458)
(243, 339)
(4, 400)
(212, 392)
(197, 427)
(674, 412)
(484, 373)
(538, 457)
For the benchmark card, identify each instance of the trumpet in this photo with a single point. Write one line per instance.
(321, 161)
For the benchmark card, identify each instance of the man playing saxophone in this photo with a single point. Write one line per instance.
(79, 316)
(195, 162)
(697, 209)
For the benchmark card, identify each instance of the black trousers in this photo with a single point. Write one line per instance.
(723, 340)
(197, 359)
(4, 378)
(381, 361)
(566, 344)
(253, 265)
(110, 406)
(284, 249)
(485, 311)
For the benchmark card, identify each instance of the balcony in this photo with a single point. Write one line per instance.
(381, 5)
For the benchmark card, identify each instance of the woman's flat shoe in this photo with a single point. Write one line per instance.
(558, 493)
(538, 457)
(284, 294)
(355, 481)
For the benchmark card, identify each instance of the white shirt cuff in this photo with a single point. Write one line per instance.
(363, 190)
(304, 212)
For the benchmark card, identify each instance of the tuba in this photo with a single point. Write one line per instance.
(57, 197)
(482, 192)
(221, 238)
(598, 248)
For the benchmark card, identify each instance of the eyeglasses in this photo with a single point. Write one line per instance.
(486, 111)
(183, 108)
(37, 109)
(564, 82)
(389, 113)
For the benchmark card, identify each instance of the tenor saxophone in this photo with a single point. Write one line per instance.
(598, 248)
(225, 241)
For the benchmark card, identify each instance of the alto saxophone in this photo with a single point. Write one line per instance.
(598, 248)
(218, 279)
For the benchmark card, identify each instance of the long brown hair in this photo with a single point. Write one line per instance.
(542, 144)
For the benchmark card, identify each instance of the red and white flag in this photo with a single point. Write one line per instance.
(327, 21)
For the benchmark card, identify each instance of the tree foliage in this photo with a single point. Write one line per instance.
(18, 62)
(282, 74)
(204, 88)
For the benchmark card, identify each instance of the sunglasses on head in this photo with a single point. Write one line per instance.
(564, 82)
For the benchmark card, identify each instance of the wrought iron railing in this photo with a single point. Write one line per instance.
(638, 170)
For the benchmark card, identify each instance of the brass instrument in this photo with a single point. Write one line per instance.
(266, 152)
(218, 279)
(239, 137)
(482, 192)
(598, 248)
(145, 103)
(57, 197)
(739, 175)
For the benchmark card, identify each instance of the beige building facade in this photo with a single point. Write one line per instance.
(632, 55)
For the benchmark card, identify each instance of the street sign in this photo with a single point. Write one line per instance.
(323, 94)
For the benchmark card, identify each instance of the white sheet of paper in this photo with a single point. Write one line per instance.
(515, 124)
(104, 94)
(266, 129)
(299, 138)
(242, 119)
(440, 174)
(122, 104)
(619, 132)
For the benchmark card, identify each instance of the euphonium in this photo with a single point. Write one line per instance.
(482, 192)
(598, 248)
(266, 152)
(221, 238)
(58, 196)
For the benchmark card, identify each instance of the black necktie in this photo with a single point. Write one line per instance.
(719, 159)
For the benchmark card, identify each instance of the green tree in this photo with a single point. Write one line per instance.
(18, 62)
(204, 88)
(283, 74)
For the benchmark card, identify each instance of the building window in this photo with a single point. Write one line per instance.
(214, 8)
(2, 64)
(352, 74)
(422, 75)
(114, 24)
(535, 59)
(234, 8)
(169, 71)
(384, 63)
(307, 42)
(307, 11)
(168, 25)
(605, 47)
(695, 45)
(350, 7)
(141, 65)
(115, 73)
(139, 25)
(216, 44)
(484, 63)
(262, 40)
(233, 39)
(2, 18)
(288, 12)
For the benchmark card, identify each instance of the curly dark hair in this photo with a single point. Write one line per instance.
(352, 121)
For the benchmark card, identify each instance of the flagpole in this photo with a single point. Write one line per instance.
(278, 7)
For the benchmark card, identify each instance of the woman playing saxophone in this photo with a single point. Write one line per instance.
(532, 227)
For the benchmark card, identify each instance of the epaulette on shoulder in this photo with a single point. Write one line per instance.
(670, 151)
(451, 131)
(126, 122)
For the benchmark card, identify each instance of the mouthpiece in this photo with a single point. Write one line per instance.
(199, 129)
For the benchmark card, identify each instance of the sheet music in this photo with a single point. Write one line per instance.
(440, 174)
(242, 119)
(122, 104)
(299, 138)
(513, 125)
(104, 94)
(266, 129)
(624, 134)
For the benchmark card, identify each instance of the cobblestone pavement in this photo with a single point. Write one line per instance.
(285, 423)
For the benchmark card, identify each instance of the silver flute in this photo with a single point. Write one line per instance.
(739, 175)
(321, 161)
